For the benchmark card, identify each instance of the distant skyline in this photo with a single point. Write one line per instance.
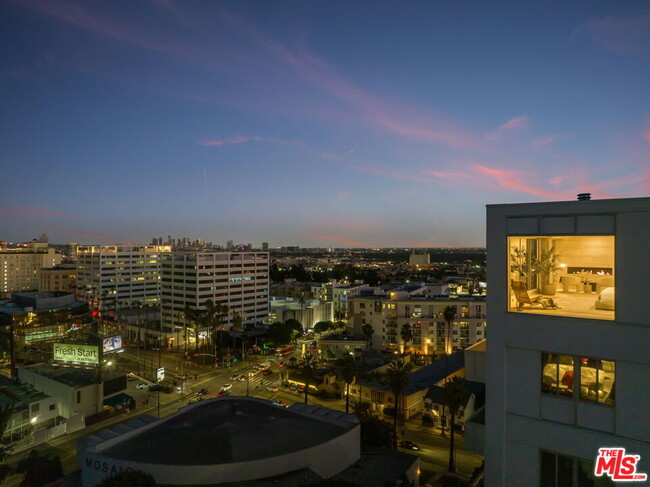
(320, 123)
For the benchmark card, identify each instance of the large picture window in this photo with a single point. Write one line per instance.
(557, 470)
(587, 379)
(562, 275)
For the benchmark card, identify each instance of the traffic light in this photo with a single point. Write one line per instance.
(94, 313)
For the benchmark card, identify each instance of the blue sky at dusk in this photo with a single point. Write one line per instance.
(314, 123)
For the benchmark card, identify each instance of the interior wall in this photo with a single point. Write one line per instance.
(586, 251)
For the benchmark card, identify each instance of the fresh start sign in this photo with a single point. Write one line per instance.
(71, 352)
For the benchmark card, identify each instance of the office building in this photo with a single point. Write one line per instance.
(20, 265)
(239, 280)
(568, 362)
(114, 277)
(416, 259)
(339, 294)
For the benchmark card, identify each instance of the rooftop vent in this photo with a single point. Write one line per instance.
(584, 196)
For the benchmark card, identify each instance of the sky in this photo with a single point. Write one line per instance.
(314, 123)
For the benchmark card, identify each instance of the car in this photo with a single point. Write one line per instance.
(280, 364)
(241, 378)
(272, 388)
(226, 387)
(253, 373)
(202, 392)
(143, 385)
(235, 376)
(223, 393)
(408, 445)
(267, 372)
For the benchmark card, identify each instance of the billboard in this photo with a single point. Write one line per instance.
(72, 352)
(112, 344)
(160, 373)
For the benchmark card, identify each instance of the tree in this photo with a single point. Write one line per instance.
(39, 470)
(294, 325)
(129, 478)
(348, 372)
(449, 314)
(455, 395)
(5, 451)
(214, 316)
(368, 331)
(406, 333)
(237, 321)
(398, 377)
(190, 319)
(322, 326)
(279, 333)
(375, 432)
(308, 364)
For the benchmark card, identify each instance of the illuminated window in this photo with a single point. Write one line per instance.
(557, 470)
(566, 375)
(563, 276)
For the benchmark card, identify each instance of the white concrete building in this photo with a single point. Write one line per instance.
(568, 361)
(425, 317)
(237, 279)
(20, 266)
(113, 277)
(308, 312)
(339, 294)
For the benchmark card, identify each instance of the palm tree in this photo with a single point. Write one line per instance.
(398, 377)
(407, 334)
(449, 314)
(368, 331)
(455, 395)
(308, 363)
(348, 373)
(190, 316)
(214, 317)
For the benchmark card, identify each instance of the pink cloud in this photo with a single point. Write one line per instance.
(240, 139)
(346, 225)
(77, 15)
(333, 238)
(447, 174)
(514, 180)
(518, 123)
(626, 35)
(551, 139)
(341, 196)
(101, 237)
(647, 136)
(33, 211)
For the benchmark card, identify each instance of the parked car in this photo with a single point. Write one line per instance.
(408, 445)
(142, 386)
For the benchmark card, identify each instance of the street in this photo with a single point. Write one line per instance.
(434, 453)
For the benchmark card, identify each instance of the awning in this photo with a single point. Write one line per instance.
(117, 400)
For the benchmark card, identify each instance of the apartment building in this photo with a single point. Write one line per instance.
(20, 266)
(568, 362)
(60, 278)
(424, 315)
(237, 279)
(114, 277)
(339, 294)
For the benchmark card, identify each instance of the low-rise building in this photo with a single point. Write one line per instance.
(335, 347)
(30, 321)
(339, 294)
(377, 391)
(233, 440)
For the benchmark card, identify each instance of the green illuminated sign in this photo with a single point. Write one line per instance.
(71, 352)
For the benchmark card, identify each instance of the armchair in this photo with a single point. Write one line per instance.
(569, 281)
(603, 282)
